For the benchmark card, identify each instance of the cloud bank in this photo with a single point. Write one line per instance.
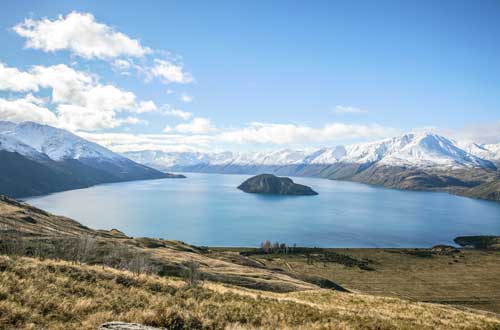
(80, 34)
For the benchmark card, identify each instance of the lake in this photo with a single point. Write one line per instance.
(207, 209)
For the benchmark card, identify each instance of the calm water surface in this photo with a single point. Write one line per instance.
(207, 209)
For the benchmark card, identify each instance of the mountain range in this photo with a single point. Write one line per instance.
(37, 159)
(416, 161)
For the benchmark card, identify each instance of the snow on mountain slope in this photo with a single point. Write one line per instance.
(56, 143)
(162, 159)
(486, 151)
(10, 144)
(414, 150)
(326, 155)
(41, 159)
(279, 157)
(427, 150)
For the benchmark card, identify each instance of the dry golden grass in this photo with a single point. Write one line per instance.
(469, 278)
(51, 294)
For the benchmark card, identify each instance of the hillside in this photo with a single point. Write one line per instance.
(101, 295)
(45, 159)
(488, 190)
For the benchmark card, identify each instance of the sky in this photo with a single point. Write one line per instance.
(253, 75)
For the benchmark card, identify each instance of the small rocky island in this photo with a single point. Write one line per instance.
(271, 184)
(174, 176)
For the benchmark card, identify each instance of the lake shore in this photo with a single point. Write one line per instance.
(460, 277)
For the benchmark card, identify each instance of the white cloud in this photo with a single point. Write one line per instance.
(35, 100)
(26, 109)
(108, 98)
(66, 83)
(169, 72)
(79, 88)
(184, 115)
(121, 65)
(81, 101)
(15, 80)
(146, 106)
(122, 142)
(80, 34)
(186, 98)
(348, 109)
(477, 133)
(76, 117)
(280, 134)
(198, 125)
(254, 134)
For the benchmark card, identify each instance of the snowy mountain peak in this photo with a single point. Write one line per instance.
(58, 144)
(428, 149)
(489, 152)
(409, 150)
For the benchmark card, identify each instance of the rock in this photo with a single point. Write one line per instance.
(444, 249)
(271, 184)
(125, 326)
(174, 176)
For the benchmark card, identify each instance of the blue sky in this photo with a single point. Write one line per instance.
(258, 74)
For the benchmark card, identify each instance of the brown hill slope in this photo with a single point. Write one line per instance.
(57, 295)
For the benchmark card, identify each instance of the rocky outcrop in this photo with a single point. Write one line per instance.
(271, 184)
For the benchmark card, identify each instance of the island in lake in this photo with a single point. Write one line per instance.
(272, 184)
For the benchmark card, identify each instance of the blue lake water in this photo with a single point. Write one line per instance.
(207, 209)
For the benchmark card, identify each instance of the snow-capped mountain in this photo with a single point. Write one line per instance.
(417, 161)
(429, 150)
(37, 159)
(57, 144)
(10, 144)
(422, 150)
(489, 152)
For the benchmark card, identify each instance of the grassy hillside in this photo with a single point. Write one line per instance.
(55, 295)
(488, 190)
(466, 277)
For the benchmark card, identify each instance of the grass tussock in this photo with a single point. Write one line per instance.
(55, 295)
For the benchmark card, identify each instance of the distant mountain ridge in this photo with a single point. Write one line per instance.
(415, 150)
(38, 159)
(417, 161)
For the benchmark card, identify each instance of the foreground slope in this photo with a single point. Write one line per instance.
(38, 159)
(60, 295)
